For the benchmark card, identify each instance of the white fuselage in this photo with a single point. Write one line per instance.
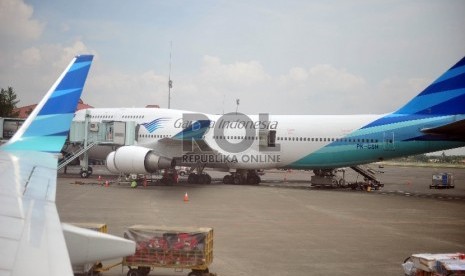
(297, 136)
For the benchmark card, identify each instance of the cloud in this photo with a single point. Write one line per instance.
(16, 21)
(36, 68)
(125, 89)
(29, 57)
(418, 84)
(394, 92)
(68, 52)
(322, 77)
(243, 73)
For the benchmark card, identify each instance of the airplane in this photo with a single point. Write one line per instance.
(241, 144)
(33, 241)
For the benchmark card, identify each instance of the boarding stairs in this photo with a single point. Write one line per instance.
(368, 173)
(70, 157)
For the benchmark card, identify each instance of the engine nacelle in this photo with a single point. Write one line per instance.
(135, 159)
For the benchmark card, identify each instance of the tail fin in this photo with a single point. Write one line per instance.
(48, 125)
(445, 96)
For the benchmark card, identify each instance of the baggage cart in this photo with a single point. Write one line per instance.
(167, 247)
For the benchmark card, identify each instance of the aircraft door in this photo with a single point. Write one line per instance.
(389, 141)
(272, 138)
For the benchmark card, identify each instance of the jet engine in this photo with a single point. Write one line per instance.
(135, 159)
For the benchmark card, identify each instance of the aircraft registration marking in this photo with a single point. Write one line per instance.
(368, 146)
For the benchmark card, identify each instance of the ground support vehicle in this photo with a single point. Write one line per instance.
(442, 181)
(426, 264)
(328, 178)
(167, 247)
(368, 185)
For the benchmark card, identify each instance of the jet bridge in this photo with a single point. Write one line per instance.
(8, 127)
(87, 135)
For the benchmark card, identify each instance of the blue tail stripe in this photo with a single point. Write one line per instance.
(451, 73)
(443, 97)
(74, 79)
(452, 83)
(59, 93)
(430, 103)
(49, 124)
(65, 103)
(52, 144)
(451, 106)
(79, 65)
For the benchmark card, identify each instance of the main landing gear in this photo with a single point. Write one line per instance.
(195, 178)
(199, 177)
(86, 173)
(241, 177)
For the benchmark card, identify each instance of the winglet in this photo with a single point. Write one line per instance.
(48, 125)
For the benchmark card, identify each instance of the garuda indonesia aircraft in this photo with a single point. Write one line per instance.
(433, 120)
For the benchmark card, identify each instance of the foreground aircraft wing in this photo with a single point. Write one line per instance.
(31, 234)
(31, 237)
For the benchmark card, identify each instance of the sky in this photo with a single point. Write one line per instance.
(277, 57)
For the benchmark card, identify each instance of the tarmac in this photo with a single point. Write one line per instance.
(283, 226)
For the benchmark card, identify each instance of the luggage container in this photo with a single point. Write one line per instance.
(167, 247)
(442, 180)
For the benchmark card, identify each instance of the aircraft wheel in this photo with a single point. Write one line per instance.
(253, 180)
(143, 270)
(192, 178)
(208, 179)
(238, 180)
(133, 272)
(84, 174)
(227, 179)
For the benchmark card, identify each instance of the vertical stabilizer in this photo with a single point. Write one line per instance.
(445, 96)
(48, 125)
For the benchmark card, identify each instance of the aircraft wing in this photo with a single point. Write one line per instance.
(192, 137)
(31, 238)
(199, 145)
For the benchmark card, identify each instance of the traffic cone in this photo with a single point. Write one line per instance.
(99, 178)
(107, 184)
(186, 197)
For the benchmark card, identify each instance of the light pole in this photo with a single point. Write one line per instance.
(170, 82)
